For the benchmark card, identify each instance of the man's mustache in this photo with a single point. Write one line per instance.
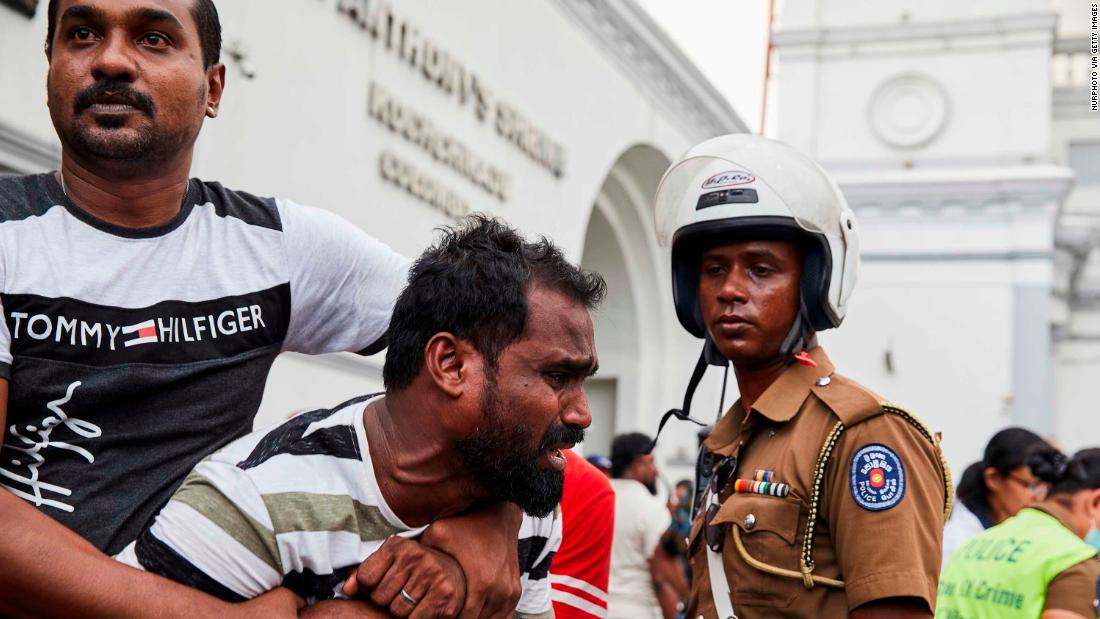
(120, 92)
(557, 435)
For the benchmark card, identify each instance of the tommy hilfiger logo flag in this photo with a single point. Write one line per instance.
(146, 333)
(168, 329)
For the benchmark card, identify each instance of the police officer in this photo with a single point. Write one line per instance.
(1036, 563)
(823, 499)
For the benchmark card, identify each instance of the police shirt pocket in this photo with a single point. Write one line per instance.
(756, 515)
(769, 531)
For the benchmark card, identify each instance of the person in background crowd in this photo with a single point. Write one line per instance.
(602, 463)
(674, 542)
(995, 488)
(638, 588)
(168, 298)
(675, 570)
(1034, 564)
(582, 565)
(679, 506)
(682, 487)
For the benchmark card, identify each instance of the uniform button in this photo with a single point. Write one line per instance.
(750, 522)
(824, 381)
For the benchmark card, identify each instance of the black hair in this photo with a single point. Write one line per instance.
(474, 283)
(206, 18)
(1064, 474)
(625, 449)
(971, 488)
(1007, 450)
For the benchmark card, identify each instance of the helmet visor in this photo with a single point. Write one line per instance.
(803, 188)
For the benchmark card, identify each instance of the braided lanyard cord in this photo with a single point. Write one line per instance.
(948, 486)
(807, 559)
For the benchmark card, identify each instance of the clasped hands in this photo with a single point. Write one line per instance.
(463, 567)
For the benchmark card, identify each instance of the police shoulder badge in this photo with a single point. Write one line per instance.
(877, 477)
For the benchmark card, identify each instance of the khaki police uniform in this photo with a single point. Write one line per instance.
(882, 492)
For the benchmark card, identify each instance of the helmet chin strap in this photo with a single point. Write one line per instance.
(711, 354)
(800, 337)
(684, 412)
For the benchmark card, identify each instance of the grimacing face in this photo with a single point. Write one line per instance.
(749, 297)
(534, 405)
(126, 81)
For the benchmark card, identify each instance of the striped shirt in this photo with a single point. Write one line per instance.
(298, 506)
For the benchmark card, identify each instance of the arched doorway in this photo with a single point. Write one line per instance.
(632, 325)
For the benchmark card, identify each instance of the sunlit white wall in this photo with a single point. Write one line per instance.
(935, 119)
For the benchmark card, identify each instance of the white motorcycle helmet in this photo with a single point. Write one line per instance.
(742, 187)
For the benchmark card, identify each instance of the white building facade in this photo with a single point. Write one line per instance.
(947, 131)
(557, 115)
(1076, 143)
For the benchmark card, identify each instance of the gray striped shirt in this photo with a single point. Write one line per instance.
(298, 506)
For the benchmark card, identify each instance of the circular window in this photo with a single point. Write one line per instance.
(908, 111)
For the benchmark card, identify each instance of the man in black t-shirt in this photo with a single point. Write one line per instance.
(142, 311)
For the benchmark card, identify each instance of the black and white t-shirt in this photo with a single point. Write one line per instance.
(134, 353)
(298, 506)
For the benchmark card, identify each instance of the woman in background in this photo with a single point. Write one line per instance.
(1036, 563)
(995, 488)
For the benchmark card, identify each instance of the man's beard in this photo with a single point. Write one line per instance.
(104, 137)
(496, 454)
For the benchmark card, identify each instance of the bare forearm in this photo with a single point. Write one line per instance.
(672, 573)
(341, 609)
(667, 596)
(484, 542)
(667, 599)
(46, 570)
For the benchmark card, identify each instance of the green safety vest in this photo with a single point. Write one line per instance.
(1004, 571)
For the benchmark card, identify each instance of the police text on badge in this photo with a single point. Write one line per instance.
(877, 477)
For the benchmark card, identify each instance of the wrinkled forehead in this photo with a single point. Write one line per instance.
(550, 311)
(558, 327)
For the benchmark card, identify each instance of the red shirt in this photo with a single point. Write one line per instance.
(581, 567)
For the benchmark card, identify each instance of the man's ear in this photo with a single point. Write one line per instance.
(215, 86)
(451, 363)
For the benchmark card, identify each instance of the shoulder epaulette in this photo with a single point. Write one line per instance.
(851, 402)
